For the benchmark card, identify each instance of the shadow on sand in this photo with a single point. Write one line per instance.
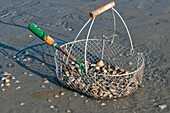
(39, 59)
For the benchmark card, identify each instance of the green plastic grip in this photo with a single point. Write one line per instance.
(37, 31)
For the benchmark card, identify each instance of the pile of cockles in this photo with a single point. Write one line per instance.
(100, 80)
(5, 80)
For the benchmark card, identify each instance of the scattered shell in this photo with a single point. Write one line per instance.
(30, 74)
(52, 107)
(70, 29)
(42, 64)
(56, 96)
(26, 59)
(29, 36)
(13, 78)
(22, 103)
(103, 104)
(68, 111)
(43, 86)
(17, 81)
(49, 100)
(62, 93)
(25, 73)
(10, 65)
(46, 81)
(3, 78)
(82, 96)
(86, 101)
(17, 88)
(163, 106)
(7, 84)
(2, 85)
(3, 89)
(14, 56)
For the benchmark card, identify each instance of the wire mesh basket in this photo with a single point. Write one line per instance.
(111, 70)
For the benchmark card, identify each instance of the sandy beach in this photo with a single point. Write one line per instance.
(34, 87)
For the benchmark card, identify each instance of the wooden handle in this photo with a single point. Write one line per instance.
(66, 53)
(101, 9)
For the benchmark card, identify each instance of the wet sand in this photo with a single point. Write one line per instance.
(30, 60)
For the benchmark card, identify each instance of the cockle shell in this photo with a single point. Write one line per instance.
(100, 63)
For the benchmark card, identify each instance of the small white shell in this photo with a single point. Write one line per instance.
(103, 104)
(62, 93)
(49, 100)
(46, 81)
(17, 88)
(82, 96)
(7, 80)
(68, 111)
(163, 106)
(3, 78)
(2, 85)
(52, 107)
(21, 104)
(7, 84)
(29, 36)
(43, 86)
(3, 89)
(17, 81)
(86, 101)
(56, 96)
(13, 78)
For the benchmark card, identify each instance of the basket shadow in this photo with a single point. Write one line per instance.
(39, 59)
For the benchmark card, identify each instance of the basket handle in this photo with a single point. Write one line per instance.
(100, 10)
(48, 39)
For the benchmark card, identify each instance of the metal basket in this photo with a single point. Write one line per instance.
(103, 86)
(98, 84)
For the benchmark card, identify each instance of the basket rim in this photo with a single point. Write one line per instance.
(139, 54)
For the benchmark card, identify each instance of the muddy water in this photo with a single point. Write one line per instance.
(148, 21)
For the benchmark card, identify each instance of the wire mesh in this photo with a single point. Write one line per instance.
(100, 85)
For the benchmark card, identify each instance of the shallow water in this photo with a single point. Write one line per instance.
(148, 21)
